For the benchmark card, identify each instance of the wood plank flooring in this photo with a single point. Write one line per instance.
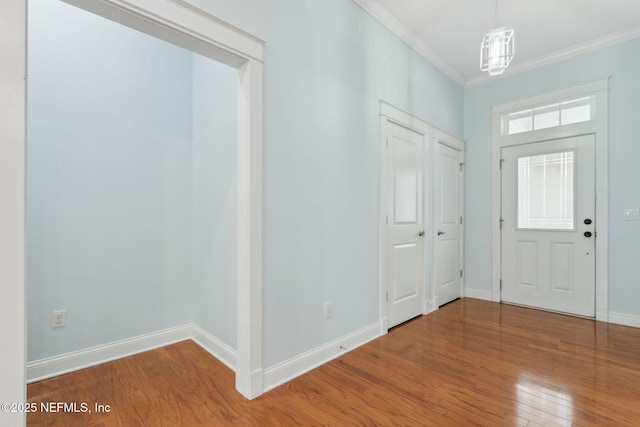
(470, 363)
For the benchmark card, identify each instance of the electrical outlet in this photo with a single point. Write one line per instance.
(58, 318)
(328, 310)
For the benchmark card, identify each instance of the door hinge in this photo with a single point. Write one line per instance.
(501, 161)
(387, 297)
(501, 221)
(460, 273)
(460, 220)
(387, 219)
(500, 284)
(461, 165)
(387, 142)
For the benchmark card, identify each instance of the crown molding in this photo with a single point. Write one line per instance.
(561, 55)
(383, 16)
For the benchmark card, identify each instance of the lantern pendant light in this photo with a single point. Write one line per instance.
(497, 48)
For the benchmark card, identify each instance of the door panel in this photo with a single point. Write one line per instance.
(449, 171)
(447, 239)
(405, 177)
(449, 268)
(404, 245)
(562, 266)
(548, 191)
(407, 269)
(527, 262)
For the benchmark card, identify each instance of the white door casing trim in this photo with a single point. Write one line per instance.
(597, 126)
(392, 114)
(178, 22)
(13, 58)
(404, 118)
(442, 137)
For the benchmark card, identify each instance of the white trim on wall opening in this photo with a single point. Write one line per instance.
(598, 126)
(13, 57)
(185, 25)
(180, 23)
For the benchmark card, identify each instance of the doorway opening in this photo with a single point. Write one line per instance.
(201, 33)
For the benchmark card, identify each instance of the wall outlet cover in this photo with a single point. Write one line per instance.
(58, 318)
(328, 310)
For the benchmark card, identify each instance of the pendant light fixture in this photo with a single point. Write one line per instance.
(497, 48)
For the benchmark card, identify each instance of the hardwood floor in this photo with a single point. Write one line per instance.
(470, 363)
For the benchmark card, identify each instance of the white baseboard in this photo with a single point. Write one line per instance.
(478, 294)
(53, 366)
(429, 306)
(213, 345)
(294, 367)
(384, 325)
(624, 319)
(64, 363)
(50, 367)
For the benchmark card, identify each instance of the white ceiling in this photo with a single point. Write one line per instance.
(449, 32)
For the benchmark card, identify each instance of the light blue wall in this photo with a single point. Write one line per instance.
(127, 259)
(215, 93)
(622, 63)
(131, 184)
(109, 181)
(322, 84)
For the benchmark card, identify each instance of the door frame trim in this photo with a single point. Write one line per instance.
(13, 42)
(444, 138)
(599, 128)
(392, 114)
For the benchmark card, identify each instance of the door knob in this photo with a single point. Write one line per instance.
(587, 234)
(421, 233)
(440, 233)
(587, 221)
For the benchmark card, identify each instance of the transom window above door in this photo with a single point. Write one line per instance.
(563, 113)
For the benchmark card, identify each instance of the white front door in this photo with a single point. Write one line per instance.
(548, 225)
(404, 232)
(447, 223)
